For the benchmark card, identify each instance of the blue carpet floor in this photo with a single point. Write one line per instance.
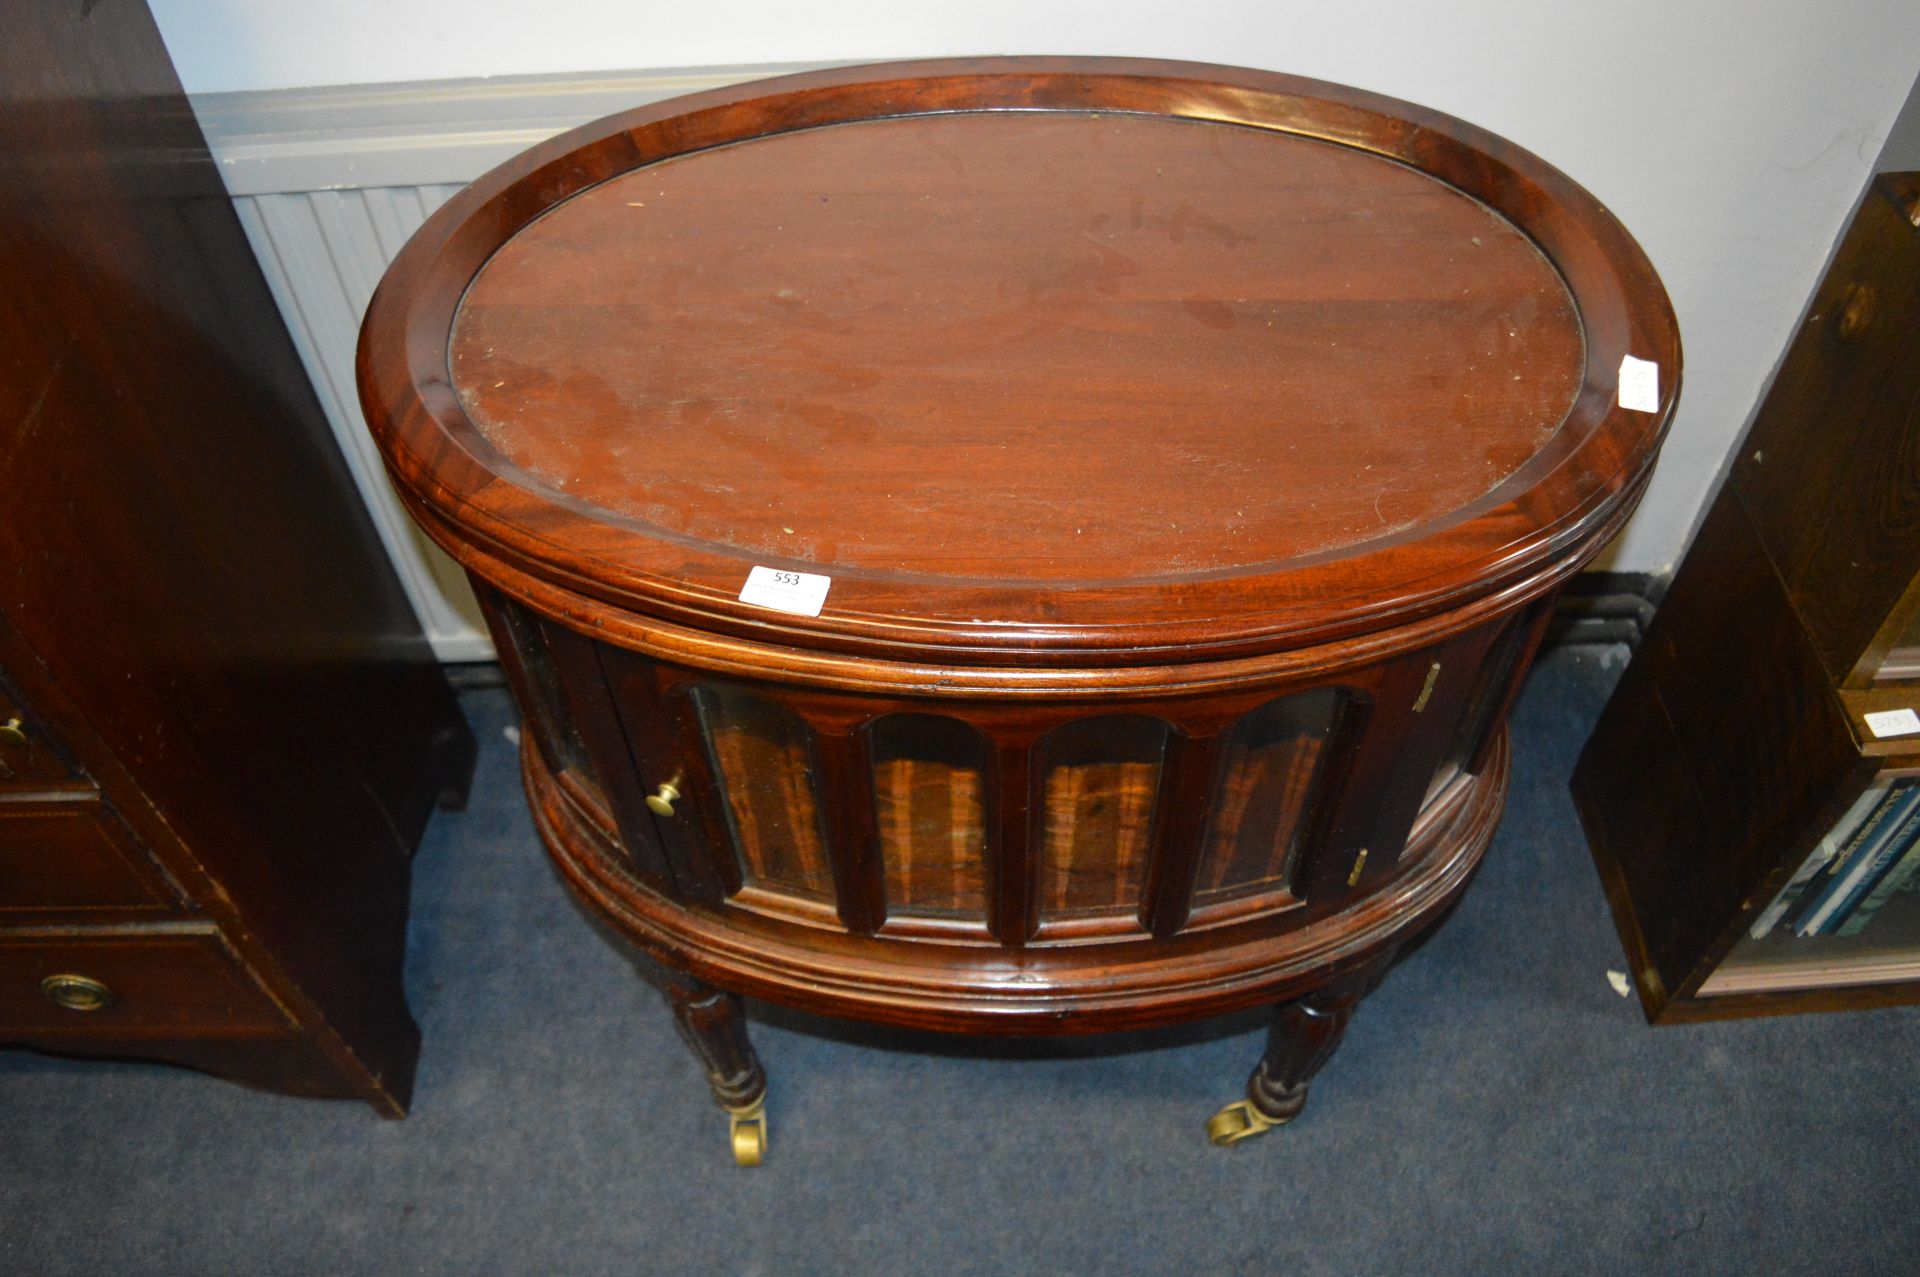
(1496, 1108)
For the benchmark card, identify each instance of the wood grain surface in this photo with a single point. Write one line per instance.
(1215, 348)
(210, 655)
(1056, 348)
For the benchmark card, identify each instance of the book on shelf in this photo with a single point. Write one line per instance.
(1819, 858)
(1868, 829)
(1896, 824)
(1890, 882)
(1868, 876)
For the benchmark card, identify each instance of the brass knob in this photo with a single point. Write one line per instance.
(660, 802)
(11, 733)
(77, 992)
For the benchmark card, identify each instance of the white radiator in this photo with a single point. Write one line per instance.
(323, 252)
(330, 182)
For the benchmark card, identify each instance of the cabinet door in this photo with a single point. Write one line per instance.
(1039, 822)
(572, 720)
(668, 793)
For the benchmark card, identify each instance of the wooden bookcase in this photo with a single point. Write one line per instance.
(1737, 740)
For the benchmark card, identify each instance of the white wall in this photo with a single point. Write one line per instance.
(1732, 137)
(1902, 151)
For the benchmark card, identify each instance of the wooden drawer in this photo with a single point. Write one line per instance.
(153, 983)
(28, 758)
(73, 857)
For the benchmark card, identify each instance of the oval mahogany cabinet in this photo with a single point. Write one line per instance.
(1020, 546)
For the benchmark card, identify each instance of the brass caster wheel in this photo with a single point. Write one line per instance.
(748, 1127)
(1239, 1121)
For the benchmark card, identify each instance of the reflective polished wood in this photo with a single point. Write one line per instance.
(1194, 453)
(221, 729)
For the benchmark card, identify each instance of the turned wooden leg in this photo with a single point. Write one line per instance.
(714, 1026)
(1301, 1038)
(712, 1023)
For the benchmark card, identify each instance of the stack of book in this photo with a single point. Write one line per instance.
(1868, 856)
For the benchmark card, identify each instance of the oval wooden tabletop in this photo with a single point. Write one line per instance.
(1081, 377)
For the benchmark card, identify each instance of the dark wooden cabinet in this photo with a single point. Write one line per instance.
(1737, 750)
(1020, 546)
(221, 731)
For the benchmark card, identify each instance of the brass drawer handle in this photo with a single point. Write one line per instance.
(660, 802)
(77, 992)
(11, 733)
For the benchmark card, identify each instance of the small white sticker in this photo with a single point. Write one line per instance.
(1893, 722)
(801, 593)
(1639, 384)
(1618, 979)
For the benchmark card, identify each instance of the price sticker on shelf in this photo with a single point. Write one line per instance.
(1892, 722)
(1639, 384)
(801, 593)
